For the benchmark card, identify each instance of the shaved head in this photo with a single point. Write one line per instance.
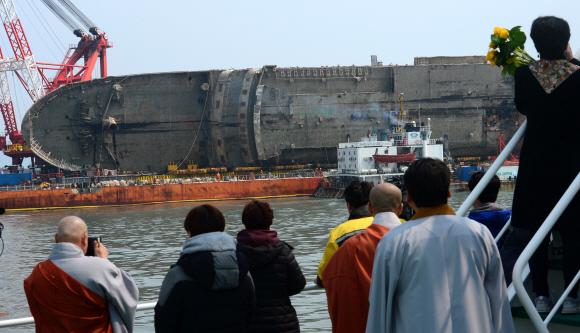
(71, 230)
(385, 197)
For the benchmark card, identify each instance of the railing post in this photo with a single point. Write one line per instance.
(492, 170)
(544, 230)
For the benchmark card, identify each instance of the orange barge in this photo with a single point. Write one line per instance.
(128, 195)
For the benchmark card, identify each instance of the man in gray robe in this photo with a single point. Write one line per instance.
(109, 288)
(437, 272)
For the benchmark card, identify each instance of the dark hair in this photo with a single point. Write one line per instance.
(357, 193)
(427, 181)
(490, 192)
(551, 36)
(203, 219)
(257, 215)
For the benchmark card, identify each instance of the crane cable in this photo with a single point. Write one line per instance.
(77, 13)
(33, 26)
(63, 46)
(59, 12)
(196, 133)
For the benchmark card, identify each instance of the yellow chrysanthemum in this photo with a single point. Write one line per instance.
(489, 56)
(504, 33)
(496, 30)
(492, 62)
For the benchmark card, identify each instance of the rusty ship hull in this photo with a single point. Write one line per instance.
(137, 195)
(263, 117)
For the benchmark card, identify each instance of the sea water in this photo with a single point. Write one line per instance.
(146, 240)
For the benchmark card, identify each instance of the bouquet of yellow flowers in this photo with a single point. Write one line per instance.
(507, 50)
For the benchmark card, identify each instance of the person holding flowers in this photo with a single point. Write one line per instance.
(547, 92)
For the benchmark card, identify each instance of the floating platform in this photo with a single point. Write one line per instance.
(148, 194)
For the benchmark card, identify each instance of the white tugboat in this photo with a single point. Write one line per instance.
(382, 156)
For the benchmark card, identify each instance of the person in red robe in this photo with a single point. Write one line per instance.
(348, 273)
(75, 307)
(71, 292)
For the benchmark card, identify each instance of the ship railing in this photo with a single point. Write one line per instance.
(10, 188)
(140, 307)
(521, 268)
(85, 181)
(405, 143)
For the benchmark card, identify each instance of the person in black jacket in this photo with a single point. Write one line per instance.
(547, 93)
(274, 269)
(209, 289)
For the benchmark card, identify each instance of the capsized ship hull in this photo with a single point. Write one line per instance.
(262, 117)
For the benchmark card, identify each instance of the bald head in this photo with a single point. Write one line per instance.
(385, 197)
(71, 229)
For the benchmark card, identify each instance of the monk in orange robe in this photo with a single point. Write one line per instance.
(347, 276)
(71, 292)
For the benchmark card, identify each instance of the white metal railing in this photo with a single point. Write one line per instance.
(542, 325)
(481, 186)
(141, 306)
(521, 268)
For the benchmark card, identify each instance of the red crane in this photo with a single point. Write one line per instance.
(90, 48)
(511, 160)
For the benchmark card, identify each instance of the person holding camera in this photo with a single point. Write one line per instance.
(71, 292)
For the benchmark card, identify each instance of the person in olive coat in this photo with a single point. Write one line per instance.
(274, 269)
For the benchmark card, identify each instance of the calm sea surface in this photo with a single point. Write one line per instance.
(146, 240)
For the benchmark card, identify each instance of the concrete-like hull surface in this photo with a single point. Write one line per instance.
(262, 117)
(54, 199)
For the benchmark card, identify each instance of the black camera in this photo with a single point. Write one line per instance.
(91, 248)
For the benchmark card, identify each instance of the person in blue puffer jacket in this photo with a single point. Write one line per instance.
(485, 210)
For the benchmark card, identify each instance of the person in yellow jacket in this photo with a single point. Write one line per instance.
(356, 195)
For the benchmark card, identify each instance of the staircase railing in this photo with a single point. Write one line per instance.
(542, 325)
(521, 268)
(503, 156)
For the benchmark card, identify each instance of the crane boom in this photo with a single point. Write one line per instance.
(90, 48)
(7, 109)
(30, 77)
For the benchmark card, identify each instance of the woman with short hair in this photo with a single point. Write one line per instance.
(274, 269)
(209, 289)
(547, 92)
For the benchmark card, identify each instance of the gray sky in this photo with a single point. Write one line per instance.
(177, 35)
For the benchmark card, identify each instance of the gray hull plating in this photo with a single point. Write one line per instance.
(262, 117)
